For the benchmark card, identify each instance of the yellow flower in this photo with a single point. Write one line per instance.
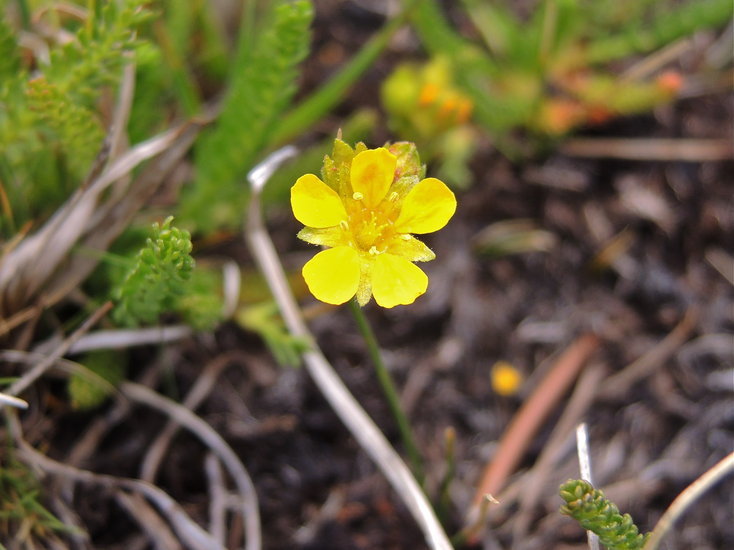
(366, 215)
(506, 379)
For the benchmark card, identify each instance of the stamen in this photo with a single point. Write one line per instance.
(393, 196)
(374, 251)
(357, 196)
(344, 225)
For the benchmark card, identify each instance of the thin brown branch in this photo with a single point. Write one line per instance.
(619, 383)
(531, 416)
(687, 150)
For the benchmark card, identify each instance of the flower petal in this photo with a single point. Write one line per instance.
(396, 281)
(324, 236)
(426, 208)
(332, 275)
(410, 248)
(372, 173)
(364, 289)
(315, 204)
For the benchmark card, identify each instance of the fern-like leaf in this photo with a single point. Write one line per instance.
(261, 87)
(158, 278)
(74, 127)
(84, 66)
(599, 515)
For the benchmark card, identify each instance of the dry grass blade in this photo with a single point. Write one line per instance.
(721, 469)
(36, 372)
(216, 443)
(362, 428)
(31, 266)
(582, 446)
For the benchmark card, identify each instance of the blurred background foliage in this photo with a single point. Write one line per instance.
(519, 80)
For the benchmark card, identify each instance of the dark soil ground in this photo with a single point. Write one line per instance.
(649, 437)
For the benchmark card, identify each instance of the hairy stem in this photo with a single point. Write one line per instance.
(388, 388)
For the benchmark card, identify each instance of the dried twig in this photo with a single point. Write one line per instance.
(183, 416)
(619, 383)
(31, 266)
(363, 429)
(201, 388)
(119, 339)
(217, 497)
(156, 529)
(36, 372)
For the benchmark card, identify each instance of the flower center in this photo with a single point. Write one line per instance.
(372, 228)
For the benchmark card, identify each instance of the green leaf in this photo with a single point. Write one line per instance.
(9, 57)
(315, 106)
(264, 320)
(104, 371)
(263, 82)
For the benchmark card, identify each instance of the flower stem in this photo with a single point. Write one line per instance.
(388, 388)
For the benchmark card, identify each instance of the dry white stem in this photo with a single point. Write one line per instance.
(10, 401)
(329, 510)
(126, 338)
(78, 538)
(148, 519)
(202, 387)
(193, 536)
(363, 429)
(231, 282)
(118, 131)
(37, 371)
(183, 416)
(582, 445)
(689, 495)
(217, 497)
